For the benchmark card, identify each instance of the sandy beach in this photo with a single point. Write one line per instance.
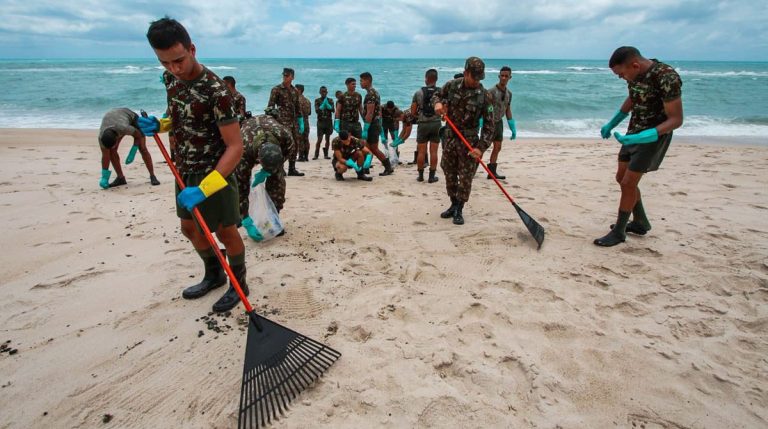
(438, 325)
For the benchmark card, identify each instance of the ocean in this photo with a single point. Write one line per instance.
(551, 98)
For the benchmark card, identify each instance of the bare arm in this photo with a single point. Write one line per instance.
(626, 106)
(369, 108)
(230, 133)
(674, 111)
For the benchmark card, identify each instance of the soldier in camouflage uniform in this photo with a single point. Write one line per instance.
(205, 125)
(502, 98)
(306, 112)
(324, 109)
(372, 118)
(655, 91)
(236, 95)
(349, 110)
(257, 131)
(349, 152)
(286, 98)
(465, 102)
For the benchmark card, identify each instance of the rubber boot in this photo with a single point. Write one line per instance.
(421, 176)
(292, 171)
(495, 172)
(458, 217)
(317, 152)
(339, 176)
(362, 176)
(325, 153)
(230, 299)
(214, 277)
(153, 180)
(451, 210)
(432, 176)
(119, 181)
(387, 168)
(618, 234)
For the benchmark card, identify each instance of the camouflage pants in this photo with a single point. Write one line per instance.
(459, 169)
(297, 138)
(304, 142)
(275, 187)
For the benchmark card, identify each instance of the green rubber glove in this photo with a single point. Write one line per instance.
(366, 125)
(251, 229)
(512, 127)
(397, 142)
(104, 182)
(131, 154)
(643, 137)
(352, 164)
(480, 124)
(367, 162)
(605, 131)
(260, 177)
(337, 125)
(301, 125)
(326, 105)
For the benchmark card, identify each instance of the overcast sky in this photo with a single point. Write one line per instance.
(567, 29)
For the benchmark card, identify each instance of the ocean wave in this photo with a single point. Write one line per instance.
(741, 73)
(133, 70)
(221, 68)
(588, 68)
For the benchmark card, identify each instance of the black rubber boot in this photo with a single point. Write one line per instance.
(362, 176)
(451, 210)
(230, 298)
(618, 233)
(432, 176)
(317, 152)
(119, 181)
(387, 168)
(153, 180)
(496, 172)
(292, 171)
(325, 153)
(421, 176)
(214, 277)
(458, 217)
(415, 156)
(339, 176)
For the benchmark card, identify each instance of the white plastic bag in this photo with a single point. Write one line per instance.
(392, 155)
(264, 214)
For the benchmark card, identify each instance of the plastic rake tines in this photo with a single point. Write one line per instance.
(279, 364)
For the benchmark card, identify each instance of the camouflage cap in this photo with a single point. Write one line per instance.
(272, 111)
(476, 67)
(270, 157)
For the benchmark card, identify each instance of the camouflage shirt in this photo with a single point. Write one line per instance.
(288, 105)
(197, 108)
(501, 100)
(388, 115)
(263, 129)
(324, 115)
(350, 107)
(239, 104)
(465, 108)
(354, 145)
(649, 92)
(409, 118)
(372, 97)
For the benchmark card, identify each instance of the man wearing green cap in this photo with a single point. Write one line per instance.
(464, 101)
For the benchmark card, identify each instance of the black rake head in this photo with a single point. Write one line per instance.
(536, 230)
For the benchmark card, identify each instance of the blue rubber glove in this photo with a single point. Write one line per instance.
(367, 162)
(605, 131)
(366, 125)
(194, 195)
(326, 105)
(260, 177)
(337, 125)
(480, 124)
(131, 154)
(512, 127)
(397, 142)
(251, 229)
(643, 137)
(104, 182)
(352, 164)
(301, 125)
(148, 125)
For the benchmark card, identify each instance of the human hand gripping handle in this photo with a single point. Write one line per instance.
(194, 195)
(643, 137)
(149, 125)
(606, 129)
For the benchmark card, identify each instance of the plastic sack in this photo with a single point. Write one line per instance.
(262, 211)
(394, 160)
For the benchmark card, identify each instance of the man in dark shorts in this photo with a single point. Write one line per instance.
(206, 128)
(465, 102)
(349, 110)
(502, 106)
(116, 124)
(429, 125)
(236, 95)
(372, 118)
(285, 98)
(389, 121)
(350, 152)
(306, 112)
(324, 109)
(655, 92)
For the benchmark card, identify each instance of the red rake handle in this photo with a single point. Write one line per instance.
(470, 148)
(206, 231)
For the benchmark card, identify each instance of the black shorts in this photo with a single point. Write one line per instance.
(373, 132)
(498, 132)
(643, 158)
(324, 128)
(354, 128)
(428, 132)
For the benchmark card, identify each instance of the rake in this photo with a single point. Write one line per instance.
(279, 362)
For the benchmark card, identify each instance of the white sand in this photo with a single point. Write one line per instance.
(439, 325)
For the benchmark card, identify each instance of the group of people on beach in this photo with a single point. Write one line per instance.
(216, 142)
